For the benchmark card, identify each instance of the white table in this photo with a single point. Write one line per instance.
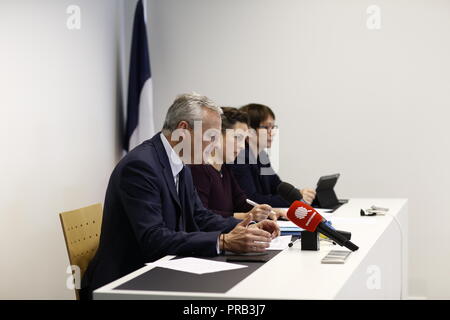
(378, 270)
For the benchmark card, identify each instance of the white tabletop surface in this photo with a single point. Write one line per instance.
(293, 274)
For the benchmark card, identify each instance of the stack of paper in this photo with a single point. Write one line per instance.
(289, 228)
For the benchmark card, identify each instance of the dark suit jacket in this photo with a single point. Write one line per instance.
(261, 188)
(145, 219)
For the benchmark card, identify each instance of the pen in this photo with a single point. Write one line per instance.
(291, 244)
(253, 203)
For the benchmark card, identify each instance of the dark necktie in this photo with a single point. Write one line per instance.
(182, 197)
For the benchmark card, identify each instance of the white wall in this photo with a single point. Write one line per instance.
(372, 105)
(368, 104)
(59, 133)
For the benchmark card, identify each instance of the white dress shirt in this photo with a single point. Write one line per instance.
(176, 164)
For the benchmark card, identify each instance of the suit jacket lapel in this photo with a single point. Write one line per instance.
(168, 176)
(171, 183)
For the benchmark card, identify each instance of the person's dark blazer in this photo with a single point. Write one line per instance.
(252, 175)
(143, 218)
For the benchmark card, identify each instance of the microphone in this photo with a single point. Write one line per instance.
(304, 216)
(288, 192)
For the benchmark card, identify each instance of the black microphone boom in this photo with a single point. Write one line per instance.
(334, 235)
(288, 192)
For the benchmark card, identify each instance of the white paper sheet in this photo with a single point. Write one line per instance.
(323, 212)
(280, 243)
(196, 265)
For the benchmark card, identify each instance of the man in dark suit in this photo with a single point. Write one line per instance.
(152, 208)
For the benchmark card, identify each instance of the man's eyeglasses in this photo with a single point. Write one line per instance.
(274, 127)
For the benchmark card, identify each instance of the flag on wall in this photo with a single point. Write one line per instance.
(139, 121)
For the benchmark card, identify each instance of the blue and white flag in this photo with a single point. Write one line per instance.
(139, 122)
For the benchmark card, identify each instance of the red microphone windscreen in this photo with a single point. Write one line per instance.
(304, 216)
